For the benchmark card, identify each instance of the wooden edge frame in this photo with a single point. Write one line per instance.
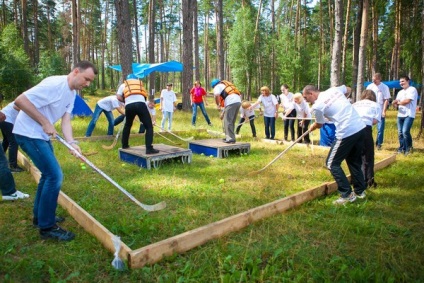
(183, 242)
(88, 222)
(188, 240)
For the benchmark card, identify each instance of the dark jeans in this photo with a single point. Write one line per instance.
(45, 203)
(9, 141)
(97, 111)
(404, 125)
(252, 125)
(303, 129)
(203, 109)
(289, 124)
(137, 109)
(7, 183)
(349, 149)
(121, 118)
(269, 127)
(368, 156)
(380, 131)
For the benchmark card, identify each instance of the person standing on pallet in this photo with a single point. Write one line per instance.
(40, 107)
(227, 96)
(132, 92)
(349, 142)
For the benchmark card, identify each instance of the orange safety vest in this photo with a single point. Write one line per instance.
(229, 89)
(134, 87)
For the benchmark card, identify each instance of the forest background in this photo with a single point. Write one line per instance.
(252, 43)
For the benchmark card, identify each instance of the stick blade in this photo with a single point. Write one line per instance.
(154, 207)
(108, 147)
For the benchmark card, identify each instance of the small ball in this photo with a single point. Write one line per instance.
(221, 180)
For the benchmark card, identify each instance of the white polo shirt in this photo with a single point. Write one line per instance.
(230, 99)
(368, 110)
(53, 98)
(409, 109)
(109, 103)
(269, 102)
(333, 105)
(382, 93)
(10, 112)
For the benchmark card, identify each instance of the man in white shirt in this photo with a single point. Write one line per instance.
(382, 94)
(168, 104)
(40, 107)
(333, 105)
(406, 102)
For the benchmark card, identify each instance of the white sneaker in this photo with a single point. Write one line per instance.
(362, 195)
(343, 201)
(15, 196)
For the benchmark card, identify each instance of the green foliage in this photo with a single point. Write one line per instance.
(15, 71)
(242, 49)
(51, 63)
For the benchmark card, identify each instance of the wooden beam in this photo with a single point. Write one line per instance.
(88, 222)
(183, 242)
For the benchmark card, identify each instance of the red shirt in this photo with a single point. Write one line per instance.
(197, 94)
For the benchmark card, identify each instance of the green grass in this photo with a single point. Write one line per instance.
(377, 239)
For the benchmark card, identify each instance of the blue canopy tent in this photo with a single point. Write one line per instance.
(394, 84)
(81, 108)
(143, 70)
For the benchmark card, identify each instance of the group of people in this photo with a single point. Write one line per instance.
(29, 122)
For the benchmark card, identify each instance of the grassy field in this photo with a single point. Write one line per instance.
(376, 239)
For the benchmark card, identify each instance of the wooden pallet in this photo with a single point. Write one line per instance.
(217, 147)
(137, 155)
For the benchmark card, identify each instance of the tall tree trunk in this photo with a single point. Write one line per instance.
(362, 48)
(321, 45)
(123, 23)
(356, 40)
(104, 45)
(137, 36)
(336, 55)
(220, 39)
(273, 48)
(152, 13)
(75, 35)
(394, 70)
(36, 31)
(206, 51)
(187, 51)
(196, 42)
(374, 14)
(345, 42)
(24, 27)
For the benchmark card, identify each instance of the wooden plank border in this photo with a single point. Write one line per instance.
(181, 243)
(188, 240)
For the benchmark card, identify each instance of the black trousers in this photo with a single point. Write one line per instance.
(137, 109)
(252, 125)
(289, 124)
(368, 156)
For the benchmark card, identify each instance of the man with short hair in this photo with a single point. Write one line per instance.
(333, 105)
(40, 108)
(406, 102)
(382, 94)
(168, 104)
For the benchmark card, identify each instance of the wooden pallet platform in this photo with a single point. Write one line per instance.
(217, 147)
(137, 155)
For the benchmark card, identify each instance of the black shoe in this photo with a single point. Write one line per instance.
(58, 219)
(152, 151)
(230, 141)
(16, 169)
(125, 146)
(56, 233)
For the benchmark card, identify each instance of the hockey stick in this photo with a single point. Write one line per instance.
(186, 140)
(246, 121)
(147, 207)
(168, 139)
(116, 137)
(281, 154)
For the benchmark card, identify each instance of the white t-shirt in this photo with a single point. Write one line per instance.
(230, 99)
(132, 98)
(168, 98)
(368, 110)
(409, 109)
(382, 93)
(247, 113)
(109, 103)
(333, 105)
(302, 110)
(287, 101)
(10, 112)
(269, 103)
(53, 98)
